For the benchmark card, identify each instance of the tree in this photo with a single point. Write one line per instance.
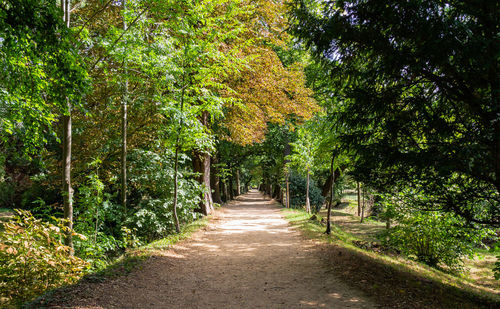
(302, 157)
(418, 82)
(40, 69)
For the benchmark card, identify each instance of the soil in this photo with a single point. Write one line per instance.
(250, 257)
(247, 257)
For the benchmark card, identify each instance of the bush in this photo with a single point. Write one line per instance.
(98, 219)
(151, 180)
(34, 259)
(298, 192)
(436, 238)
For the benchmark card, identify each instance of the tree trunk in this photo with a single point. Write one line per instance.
(124, 129)
(363, 205)
(224, 191)
(329, 211)
(67, 144)
(176, 159)
(308, 204)
(287, 191)
(230, 187)
(325, 192)
(328, 183)
(238, 185)
(359, 199)
(176, 170)
(201, 165)
(268, 186)
(215, 182)
(67, 190)
(277, 192)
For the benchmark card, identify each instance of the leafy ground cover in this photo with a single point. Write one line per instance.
(130, 260)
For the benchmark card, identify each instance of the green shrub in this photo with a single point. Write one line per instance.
(152, 186)
(436, 238)
(298, 192)
(34, 259)
(99, 220)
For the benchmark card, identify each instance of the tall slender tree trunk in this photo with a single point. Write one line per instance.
(332, 189)
(176, 172)
(124, 127)
(230, 187)
(308, 204)
(238, 185)
(359, 199)
(67, 189)
(67, 144)
(287, 191)
(363, 205)
(225, 190)
(286, 152)
(176, 158)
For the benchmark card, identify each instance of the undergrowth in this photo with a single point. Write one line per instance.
(313, 228)
(127, 262)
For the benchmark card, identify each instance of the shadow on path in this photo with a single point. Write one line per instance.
(248, 257)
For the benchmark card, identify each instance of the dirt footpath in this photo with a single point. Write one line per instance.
(248, 257)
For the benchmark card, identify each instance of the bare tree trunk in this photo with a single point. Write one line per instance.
(277, 192)
(230, 187)
(226, 191)
(332, 189)
(308, 204)
(325, 192)
(215, 182)
(238, 185)
(359, 199)
(287, 191)
(124, 128)
(176, 171)
(363, 206)
(67, 190)
(201, 163)
(67, 144)
(176, 158)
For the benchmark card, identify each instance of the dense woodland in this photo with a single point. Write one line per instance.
(121, 121)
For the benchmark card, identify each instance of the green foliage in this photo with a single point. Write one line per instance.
(303, 150)
(432, 237)
(416, 88)
(298, 192)
(40, 69)
(34, 259)
(496, 268)
(151, 179)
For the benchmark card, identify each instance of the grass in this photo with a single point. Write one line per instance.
(186, 232)
(132, 258)
(478, 284)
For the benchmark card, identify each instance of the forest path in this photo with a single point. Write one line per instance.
(248, 257)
